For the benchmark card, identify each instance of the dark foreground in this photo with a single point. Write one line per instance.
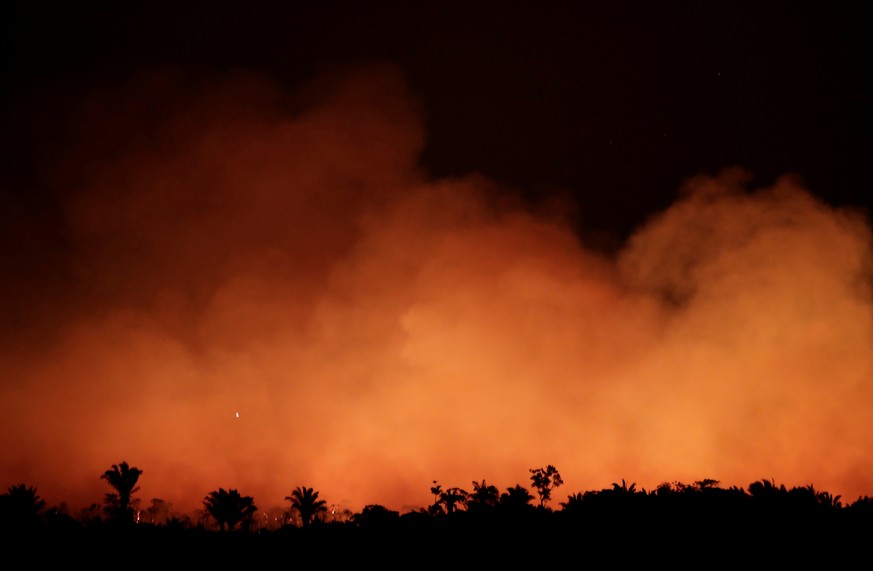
(711, 539)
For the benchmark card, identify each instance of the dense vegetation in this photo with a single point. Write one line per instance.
(676, 523)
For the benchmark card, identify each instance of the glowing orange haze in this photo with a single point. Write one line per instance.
(232, 248)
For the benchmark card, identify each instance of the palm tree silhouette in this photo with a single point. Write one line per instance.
(123, 479)
(229, 508)
(21, 506)
(453, 499)
(484, 496)
(305, 501)
(623, 487)
(436, 490)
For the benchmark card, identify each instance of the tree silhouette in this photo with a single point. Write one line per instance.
(123, 479)
(574, 502)
(453, 499)
(515, 499)
(229, 508)
(544, 481)
(436, 507)
(863, 506)
(484, 496)
(765, 489)
(305, 501)
(376, 516)
(706, 484)
(623, 487)
(829, 500)
(157, 511)
(21, 506)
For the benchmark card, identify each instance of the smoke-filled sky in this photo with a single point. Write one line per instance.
(361, 250)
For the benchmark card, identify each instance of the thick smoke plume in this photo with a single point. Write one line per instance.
(259, 290)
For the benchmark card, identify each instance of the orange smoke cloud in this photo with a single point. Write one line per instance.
(236, 249)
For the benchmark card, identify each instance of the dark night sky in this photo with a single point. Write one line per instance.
(617, 105)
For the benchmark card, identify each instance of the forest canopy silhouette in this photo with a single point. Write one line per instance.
(674, 522)
(227, 510)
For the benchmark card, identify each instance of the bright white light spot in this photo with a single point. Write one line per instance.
(237, 414)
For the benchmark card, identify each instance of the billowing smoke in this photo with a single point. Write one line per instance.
(259, 290)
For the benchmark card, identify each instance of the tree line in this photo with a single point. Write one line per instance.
(696, 525)
(228, 510)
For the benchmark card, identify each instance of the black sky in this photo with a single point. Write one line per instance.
(616, 103)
